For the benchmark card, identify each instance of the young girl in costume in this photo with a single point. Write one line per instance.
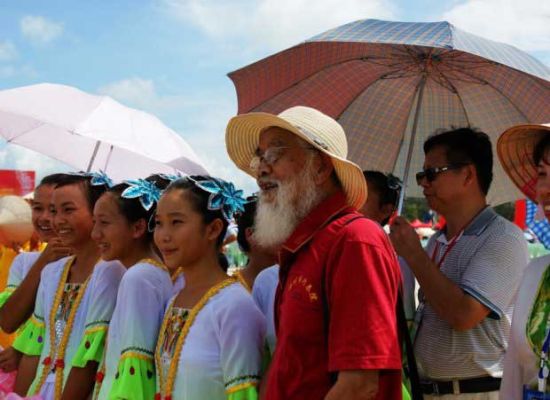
(121, 231)
(76, 297)
(524, 153)
(15, 312)
(211, 339)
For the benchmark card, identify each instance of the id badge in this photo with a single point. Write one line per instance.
(531, 394)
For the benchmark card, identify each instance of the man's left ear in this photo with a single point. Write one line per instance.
(323, 169)
(139, 228)
(471, 174)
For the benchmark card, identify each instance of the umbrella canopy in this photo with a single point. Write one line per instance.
(91, 132)
(392, 84)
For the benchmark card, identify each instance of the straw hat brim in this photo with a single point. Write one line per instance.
(515, 148)
(242, 138)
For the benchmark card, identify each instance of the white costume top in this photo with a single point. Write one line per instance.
(223, 349)
(521, 364)
(143, 294)
(263, 292)
(95, 310)
(21, 266)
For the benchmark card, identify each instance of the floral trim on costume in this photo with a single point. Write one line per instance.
(166, 384)
(92, 345)
(30, 339)
(58, 365)
(135, 377)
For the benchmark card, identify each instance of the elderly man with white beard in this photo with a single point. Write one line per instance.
(339, 277)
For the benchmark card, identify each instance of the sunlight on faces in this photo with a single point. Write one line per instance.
(41, 213)
(72, 220)
(112, 232)
(294, 198)
(181, 235)
(447, 187)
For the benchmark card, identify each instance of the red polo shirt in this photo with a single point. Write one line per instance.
(354, 327)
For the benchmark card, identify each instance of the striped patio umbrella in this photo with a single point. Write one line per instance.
(392, 84)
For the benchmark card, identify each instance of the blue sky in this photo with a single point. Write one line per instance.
(171, 57)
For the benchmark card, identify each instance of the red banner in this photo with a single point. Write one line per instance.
(16, 182)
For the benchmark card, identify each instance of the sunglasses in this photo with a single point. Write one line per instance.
(431, 173)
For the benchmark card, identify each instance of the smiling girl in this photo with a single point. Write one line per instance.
(76, 296)
(25, 272)
(211, 338)
(122, 217)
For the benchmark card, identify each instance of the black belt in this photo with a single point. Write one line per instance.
(474, 385)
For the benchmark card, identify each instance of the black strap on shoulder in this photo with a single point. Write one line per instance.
(411, 370)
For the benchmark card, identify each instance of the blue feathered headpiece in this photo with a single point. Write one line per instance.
(223, 196)
(147, 192)
(99, 178)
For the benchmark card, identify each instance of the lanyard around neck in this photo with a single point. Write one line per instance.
(450, 246)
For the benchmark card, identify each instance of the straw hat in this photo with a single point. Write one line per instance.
(319, 130)
(515, 150)
(15, 221)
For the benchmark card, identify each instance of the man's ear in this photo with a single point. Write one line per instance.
(139, 228)
(323, 168)
(470, 175)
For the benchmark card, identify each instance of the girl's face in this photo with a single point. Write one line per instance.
(112, 232)
(180, 233)
(543, 183)
(72, 219)
(41, 213)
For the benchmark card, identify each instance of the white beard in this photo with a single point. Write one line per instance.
(275, 221)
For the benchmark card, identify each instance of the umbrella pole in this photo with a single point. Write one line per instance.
(94, 154)
(420, 91)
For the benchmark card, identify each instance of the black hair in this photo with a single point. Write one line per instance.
(91, 192)
(132, 209)
(244, 221)
(378, 182)
(540, 149)
(52, 179)
(199, 200)
(466, 146)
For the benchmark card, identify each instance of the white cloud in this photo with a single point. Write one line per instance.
(7, 51)
(273, 23)
(20, 158)
(525, 24)
(142, 93)
(40, 30)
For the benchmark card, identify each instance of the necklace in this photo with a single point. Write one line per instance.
(167, 386)
(59, 364)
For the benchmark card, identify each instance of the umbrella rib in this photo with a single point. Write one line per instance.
(502, 94)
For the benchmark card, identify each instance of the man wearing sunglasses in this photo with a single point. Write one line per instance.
(468, 274)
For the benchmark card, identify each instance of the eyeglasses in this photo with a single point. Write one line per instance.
(431, 173)
(271, 156)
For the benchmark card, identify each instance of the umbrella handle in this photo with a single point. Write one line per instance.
(420, 91)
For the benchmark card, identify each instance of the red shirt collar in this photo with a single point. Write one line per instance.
(321, 215)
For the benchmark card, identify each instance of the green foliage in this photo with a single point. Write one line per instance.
(506, 210)
(415, 208)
